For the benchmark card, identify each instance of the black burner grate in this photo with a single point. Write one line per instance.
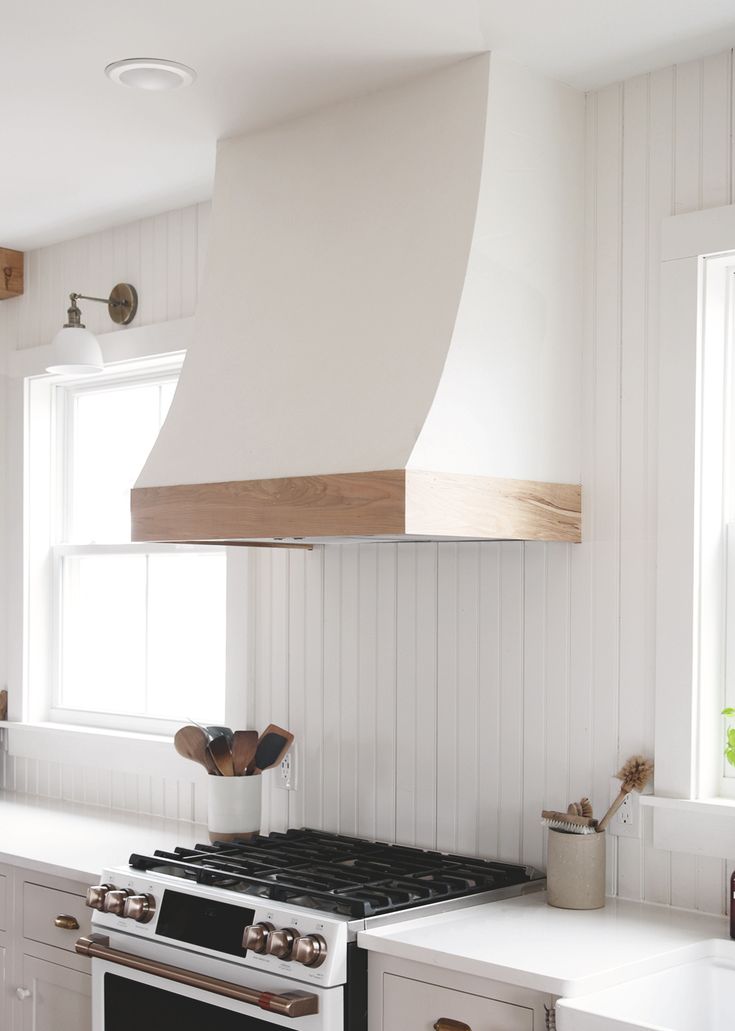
(335, 874)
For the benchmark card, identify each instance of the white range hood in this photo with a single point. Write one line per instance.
(388, 338)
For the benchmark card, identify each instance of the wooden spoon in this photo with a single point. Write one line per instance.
(244, 745)
(273, 744)
(221, 754)
(191, 742)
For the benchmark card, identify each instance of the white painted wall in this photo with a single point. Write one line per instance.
(443, 693)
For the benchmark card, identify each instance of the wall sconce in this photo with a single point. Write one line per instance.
(76, 351)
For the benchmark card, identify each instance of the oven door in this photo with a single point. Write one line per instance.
(125, 998)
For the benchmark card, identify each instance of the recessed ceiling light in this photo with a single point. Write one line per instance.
(150, 73)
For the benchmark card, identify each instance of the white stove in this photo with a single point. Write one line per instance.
(262, 933)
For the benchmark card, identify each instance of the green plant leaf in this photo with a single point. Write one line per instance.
(728, 712)
(730, 755)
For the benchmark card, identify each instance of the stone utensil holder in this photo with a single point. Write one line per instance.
(575, 870)
(233, 809)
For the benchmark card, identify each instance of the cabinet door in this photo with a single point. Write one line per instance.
(416, 1006)
(4, 997)
(58, 999)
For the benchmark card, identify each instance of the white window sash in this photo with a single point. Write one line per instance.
(59, 713)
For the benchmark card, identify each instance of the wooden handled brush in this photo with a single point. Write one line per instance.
(634, 774)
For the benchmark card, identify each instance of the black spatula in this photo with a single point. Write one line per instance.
(273, 744)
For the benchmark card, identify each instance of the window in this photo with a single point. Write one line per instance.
(694, 805)
(137, 631)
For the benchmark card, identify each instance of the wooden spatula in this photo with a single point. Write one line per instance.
(273, 744)
(244, 746)
(191, 742)
(219, 749)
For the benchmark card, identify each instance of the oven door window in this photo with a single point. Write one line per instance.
(131, 1005)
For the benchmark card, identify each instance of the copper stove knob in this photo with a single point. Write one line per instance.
(310, 950)
(255, 936)
(96, 895)
(140, 908)
(114, 901)
(281, 942)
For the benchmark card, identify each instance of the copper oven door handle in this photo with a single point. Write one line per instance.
(288, 1004)
(446, 1024)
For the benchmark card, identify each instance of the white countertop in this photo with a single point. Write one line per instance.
(525, 942)
(77, 841)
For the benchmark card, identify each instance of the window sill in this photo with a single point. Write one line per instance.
(702, 826)
(122, 751)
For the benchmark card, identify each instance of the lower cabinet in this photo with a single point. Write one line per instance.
(4, 999)
(45, 985)
(414, 1004)
(408, 996)
(58, 999)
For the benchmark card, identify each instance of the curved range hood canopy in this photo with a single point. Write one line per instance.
(387, 342)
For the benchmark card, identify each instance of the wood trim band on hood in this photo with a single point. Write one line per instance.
(388, 503)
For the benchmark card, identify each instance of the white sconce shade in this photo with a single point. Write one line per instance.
(75, 351)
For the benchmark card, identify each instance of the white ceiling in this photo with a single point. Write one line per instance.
(78, 153)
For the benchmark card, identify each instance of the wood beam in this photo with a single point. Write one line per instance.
(11, 273)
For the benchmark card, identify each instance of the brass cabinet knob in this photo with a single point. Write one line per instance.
(66, 923)
(446, 1024)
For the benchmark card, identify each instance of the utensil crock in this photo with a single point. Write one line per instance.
(575, 870)
(234, 806)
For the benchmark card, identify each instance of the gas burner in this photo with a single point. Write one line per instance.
(334, 873)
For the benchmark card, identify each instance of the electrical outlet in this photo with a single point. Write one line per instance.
(627, 821)
(288, 770)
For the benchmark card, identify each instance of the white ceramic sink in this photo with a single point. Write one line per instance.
(695, 994)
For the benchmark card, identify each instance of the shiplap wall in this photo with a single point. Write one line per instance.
(162, 257)
(441, 694)
(658, 144)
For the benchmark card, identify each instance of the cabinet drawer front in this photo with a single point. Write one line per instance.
(3, 903)
(41, 906)
(416, 1006)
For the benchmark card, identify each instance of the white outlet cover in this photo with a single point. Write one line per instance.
(627, 821)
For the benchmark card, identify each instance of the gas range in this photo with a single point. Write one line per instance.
(276, 919)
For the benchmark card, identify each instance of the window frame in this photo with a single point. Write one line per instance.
(690, 811)
(27, 732)
(63, 393)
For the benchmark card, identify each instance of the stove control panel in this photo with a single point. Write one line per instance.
(293, 942)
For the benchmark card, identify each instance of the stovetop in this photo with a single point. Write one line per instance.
(336, 874)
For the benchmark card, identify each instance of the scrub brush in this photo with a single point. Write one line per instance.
(581, 808)
(569, 822)
(634, 774)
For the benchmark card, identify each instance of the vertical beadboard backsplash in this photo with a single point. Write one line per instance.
(443, 693)
(431, 688)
